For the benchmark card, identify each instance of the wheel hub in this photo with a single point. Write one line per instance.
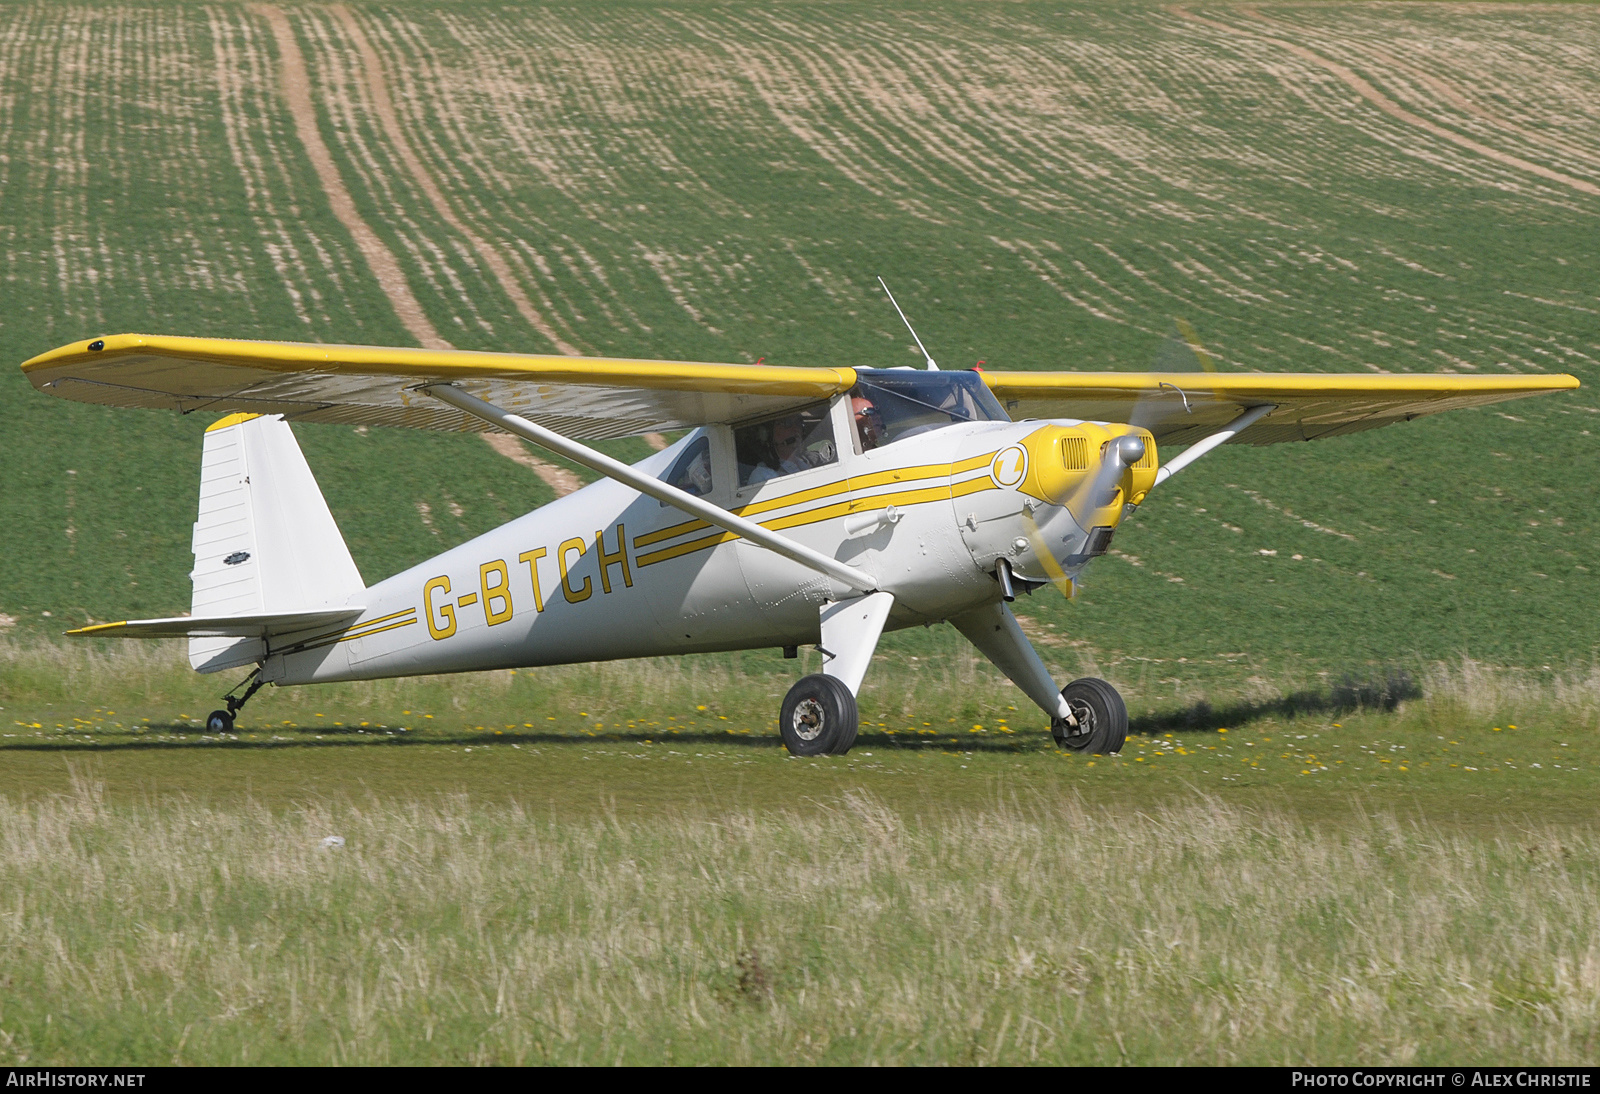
(1084, 713)
(808, 719)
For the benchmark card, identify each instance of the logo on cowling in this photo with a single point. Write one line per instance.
(236, 558)
(1009, 466)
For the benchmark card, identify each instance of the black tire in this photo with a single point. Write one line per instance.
(1102, 718)
(219, 721)
(818, 717)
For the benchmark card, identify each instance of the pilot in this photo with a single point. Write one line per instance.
(869, 422)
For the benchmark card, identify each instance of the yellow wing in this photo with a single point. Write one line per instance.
(591, 397)
(1181, 408)
(581, 397)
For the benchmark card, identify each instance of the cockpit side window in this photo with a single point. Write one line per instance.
(890, 405)
(691, 471)
(792, 442)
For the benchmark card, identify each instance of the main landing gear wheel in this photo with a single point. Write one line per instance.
(819, 717)
(1102, 718)
(219, 721)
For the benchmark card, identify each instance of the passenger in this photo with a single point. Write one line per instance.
(788, 453)
(788, 444)
(869, 422)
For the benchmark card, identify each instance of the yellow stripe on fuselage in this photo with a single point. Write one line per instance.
(921, 496)
(357, 630)
(378, 630)
(702, 544)
(827, 490)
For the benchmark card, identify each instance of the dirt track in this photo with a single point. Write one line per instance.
(296, 84)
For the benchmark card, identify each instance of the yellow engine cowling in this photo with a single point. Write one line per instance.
(1064, 460)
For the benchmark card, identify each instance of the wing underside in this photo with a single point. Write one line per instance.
(579, 397)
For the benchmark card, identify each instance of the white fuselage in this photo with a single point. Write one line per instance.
(607, 573)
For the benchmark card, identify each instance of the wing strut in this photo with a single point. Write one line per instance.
(1201, 447)
(646, 484)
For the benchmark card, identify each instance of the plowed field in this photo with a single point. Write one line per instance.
(1315, 187)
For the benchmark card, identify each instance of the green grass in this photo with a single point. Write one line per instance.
(620, 863)
(578, 902)
(1020, 933)
(1464, 743)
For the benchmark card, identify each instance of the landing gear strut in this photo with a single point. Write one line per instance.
(221, 721)
(1101, 715)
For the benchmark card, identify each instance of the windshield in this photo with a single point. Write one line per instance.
(890, 405)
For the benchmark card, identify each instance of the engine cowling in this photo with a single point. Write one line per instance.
(1063, 489)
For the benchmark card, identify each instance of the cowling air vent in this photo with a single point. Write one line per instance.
(1148, 460)
(1075, 453)
(236, 558)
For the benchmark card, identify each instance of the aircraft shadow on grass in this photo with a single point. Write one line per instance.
(1384, 692)
(321, 737)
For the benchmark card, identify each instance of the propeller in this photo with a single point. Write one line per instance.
(1181, 351)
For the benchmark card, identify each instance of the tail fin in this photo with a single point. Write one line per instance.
(264, 541)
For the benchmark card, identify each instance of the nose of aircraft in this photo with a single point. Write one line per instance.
(1130, 449)
(1063, 490)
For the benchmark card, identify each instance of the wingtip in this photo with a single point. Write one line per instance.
(85, 348)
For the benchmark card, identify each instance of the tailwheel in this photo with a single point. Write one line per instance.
(819, 717)
(1102, 718)
(221, 721)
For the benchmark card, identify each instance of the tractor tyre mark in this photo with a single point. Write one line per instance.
(1442, 89)
(559, 479)
(296, 85)
(389, 119)
(1378, 99)
(297, 94)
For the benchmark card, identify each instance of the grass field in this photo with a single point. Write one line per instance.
(1355, 820)
(1333, 883)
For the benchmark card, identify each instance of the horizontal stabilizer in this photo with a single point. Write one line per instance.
(257, 625)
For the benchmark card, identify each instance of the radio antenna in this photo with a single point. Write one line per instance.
(931, 366)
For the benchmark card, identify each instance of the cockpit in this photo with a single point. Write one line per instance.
(884, 406)
(889, 405)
